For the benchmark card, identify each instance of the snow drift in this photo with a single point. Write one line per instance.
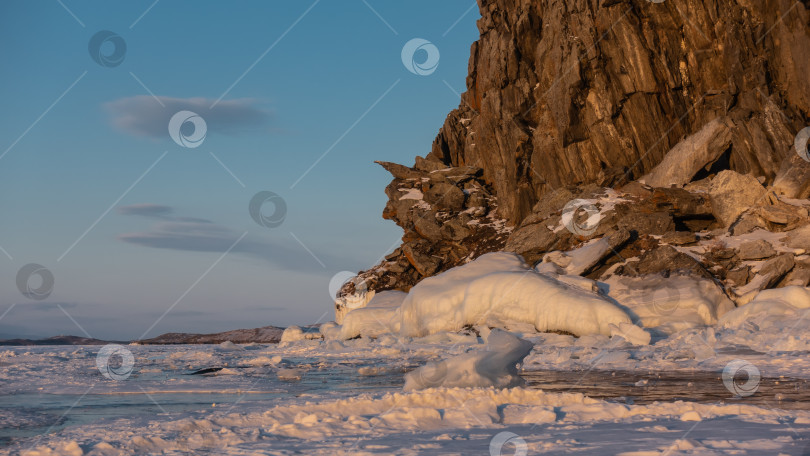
(499, 287)
(494, 290)
(380, 316)
(670, 304)
(771, 308)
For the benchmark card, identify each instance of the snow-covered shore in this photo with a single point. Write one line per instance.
(355, 418)
(437, 371)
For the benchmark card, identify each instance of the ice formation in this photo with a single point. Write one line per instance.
(771, 308)
(494, 366)
(670, 304)
(494, 289)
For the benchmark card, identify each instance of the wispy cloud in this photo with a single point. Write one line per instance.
(143, 116)
(146, 210)
(46, 306)
(201, 235)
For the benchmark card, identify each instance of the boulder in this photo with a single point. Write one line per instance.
(748, 222)
(455, 230)
(696, 151)
(732, 194)
(445, 197)
(739, 277)
(776, 268)
(699, 186)
(793, 178)
(638, 189)
(426, 225)
(682, 203)
(477, 199)
(582, 260)
(756, 250)
(799, 276)
(659, 222)
(424, 263)
(531, 241)
(781, 214)
(679, 238)
(798, 238)
(664, 259)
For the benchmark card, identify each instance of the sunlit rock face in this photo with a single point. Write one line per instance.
(581, 91)
(609, 104)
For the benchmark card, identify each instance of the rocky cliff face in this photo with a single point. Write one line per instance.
(566, 92)
(568, 97)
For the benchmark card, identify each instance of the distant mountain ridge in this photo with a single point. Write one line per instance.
(57, 340)
(263, 335)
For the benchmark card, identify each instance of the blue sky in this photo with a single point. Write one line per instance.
(132, 224)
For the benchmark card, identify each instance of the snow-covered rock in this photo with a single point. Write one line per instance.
(380, 316)
(346, 303)
(670, 304)
(771, 308)
(297, 333)
(499, 287)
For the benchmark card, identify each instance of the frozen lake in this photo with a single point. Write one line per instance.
(171, 380)
(273, 399)
(166, 380)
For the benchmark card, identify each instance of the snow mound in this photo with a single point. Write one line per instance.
(229, 346)
(670, 304)
(501, 287)
(297, 333)
(370, 322)
(770, 308)
(379, 317)
(389, 298)
(631, 333)
(495, 366)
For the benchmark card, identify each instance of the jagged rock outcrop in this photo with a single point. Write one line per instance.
(655, 126)
(565, 92)
(449, 217)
